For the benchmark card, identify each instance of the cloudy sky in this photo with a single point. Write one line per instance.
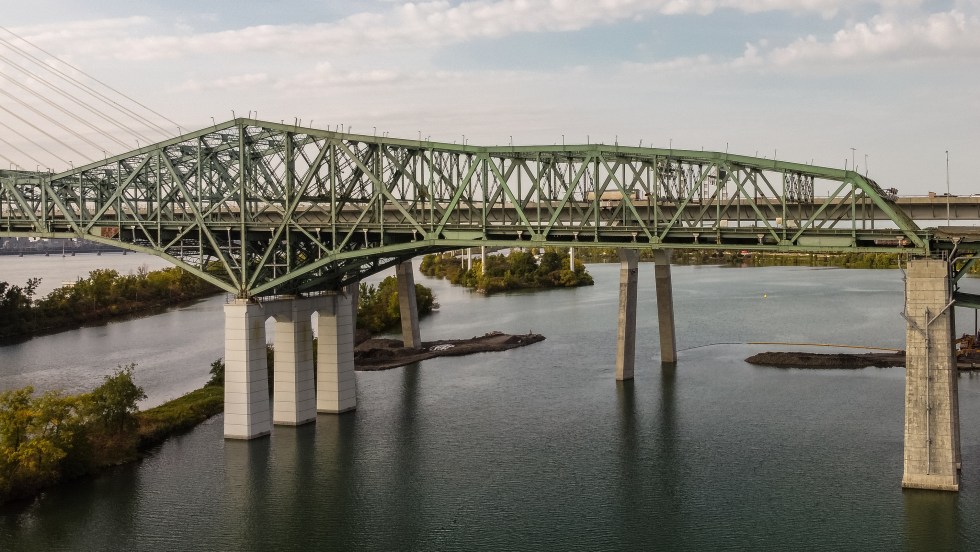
(805, 80)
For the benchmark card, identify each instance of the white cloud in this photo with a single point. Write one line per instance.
(223, 83)
(884, 38)
(412, 24)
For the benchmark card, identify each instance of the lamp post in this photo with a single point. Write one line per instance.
(947, 187)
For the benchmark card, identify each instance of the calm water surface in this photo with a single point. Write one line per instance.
(540, 448)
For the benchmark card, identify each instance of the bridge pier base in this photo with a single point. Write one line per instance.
(408, 307)
(665, 307)
(626, 340)
(294, 393)
(246, 372)
(336, 387)
(931, 394)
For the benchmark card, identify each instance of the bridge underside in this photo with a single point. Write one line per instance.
(264, 209)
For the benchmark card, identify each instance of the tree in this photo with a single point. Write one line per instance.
(113, 404)
(217, 373)
(36, 436)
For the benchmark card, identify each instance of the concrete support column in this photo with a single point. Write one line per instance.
(294, 393)
(931, 405)
(483, 259)
(336, 387)
(571, 259)
(469, 258)
(407, 305)
(626, 341)
(247, 413)
(665, 306)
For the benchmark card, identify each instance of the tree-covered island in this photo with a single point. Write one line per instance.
(103, 295)
(519, 269)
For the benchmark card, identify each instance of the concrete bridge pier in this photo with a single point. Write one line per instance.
(247, 413)
(294, 393)
(408, 307)
(931, 394)
(626, 341)
(336, 387)
(665, 307)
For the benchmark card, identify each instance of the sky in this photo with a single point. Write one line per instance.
(890, 84)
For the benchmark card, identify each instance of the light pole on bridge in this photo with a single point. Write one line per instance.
(947, 187)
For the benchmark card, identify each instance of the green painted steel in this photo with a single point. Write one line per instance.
(261, 208)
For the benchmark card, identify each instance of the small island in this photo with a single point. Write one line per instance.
(519, 269)
(823, 361)
(383, 354)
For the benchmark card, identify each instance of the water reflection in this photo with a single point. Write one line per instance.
(932, 520)
(248, 487)
(667, 458)
(408, 526)
(630, 463)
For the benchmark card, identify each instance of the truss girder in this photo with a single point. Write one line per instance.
(263, 208)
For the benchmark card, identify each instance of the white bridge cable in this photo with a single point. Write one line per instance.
(39, 146)
(24, 153)
(76, 84)
(64, 109)
(95, 93)
(41, 130)
(71, 98)
(49, 119)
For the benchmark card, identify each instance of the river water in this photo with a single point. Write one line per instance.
(537, 448)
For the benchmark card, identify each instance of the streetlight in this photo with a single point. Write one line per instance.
(947, 187)
(852, 159)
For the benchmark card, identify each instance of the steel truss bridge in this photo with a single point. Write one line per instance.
(259, 208)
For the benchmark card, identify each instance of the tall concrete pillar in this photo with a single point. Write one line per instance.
(626, 342)
(931, 405)
(665, 306)
(336, 387)
(571, 259)
(407, 305)
(247, 414)
(483, 259)
(294, 393)
(469, 258)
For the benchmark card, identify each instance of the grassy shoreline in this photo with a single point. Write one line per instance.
(101, 448)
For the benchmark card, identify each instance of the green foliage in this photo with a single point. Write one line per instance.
(103, 295)
(217, 372)
(44, 438)
(113, 404)
(36, 436)
(15, 305)
(520, 269)
(377, 306)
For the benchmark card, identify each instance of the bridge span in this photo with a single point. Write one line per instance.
(288, 219)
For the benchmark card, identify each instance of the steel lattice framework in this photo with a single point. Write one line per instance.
(260, 208)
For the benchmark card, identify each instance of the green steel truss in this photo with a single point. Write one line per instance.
(260, 208)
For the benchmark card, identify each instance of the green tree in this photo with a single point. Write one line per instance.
(36, 436)
(113, 404)
(217, 372)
